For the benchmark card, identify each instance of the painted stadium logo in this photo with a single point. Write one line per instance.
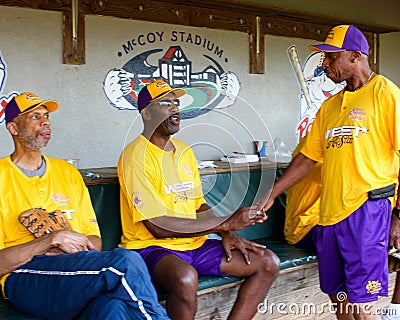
(206, 90)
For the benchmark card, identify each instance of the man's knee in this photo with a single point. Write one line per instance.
(187, 279)
(128, 257)
(128, 261)
(268, 263)
(183, 282)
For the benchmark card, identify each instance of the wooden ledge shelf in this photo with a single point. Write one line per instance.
(109, 174)
(223, 167)
(106, 175)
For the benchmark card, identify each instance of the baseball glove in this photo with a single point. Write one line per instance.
(40, 222)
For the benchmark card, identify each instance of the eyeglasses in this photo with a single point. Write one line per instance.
(168, 103)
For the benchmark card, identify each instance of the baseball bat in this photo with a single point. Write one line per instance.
(294, 58)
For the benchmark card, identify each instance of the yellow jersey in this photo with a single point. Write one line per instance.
(60, 188)
(156, 183)
(357, 137)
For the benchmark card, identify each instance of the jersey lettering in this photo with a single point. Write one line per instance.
(179, 187)
(345, 131)
(337, 137)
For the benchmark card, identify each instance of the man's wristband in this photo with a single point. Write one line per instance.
(396, 212)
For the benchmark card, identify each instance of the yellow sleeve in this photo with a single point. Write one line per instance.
(140, 186)
(392, 101)
(87, 221)
(313, 147)
(2, 246)
(199, 196)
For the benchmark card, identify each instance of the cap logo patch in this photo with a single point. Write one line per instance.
(32, 97)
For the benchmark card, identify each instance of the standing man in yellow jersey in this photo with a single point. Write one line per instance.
(63, 274)
(356, 137)
(166, 219)
(302, 215)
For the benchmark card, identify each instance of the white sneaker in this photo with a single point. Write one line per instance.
(392, 312)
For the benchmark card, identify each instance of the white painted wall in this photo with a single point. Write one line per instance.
(389, 55)
(88, 128)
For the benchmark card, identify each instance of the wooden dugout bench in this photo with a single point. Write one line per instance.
(226, 188)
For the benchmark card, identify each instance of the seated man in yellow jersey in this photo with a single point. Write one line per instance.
(63, 274)
(166, 219)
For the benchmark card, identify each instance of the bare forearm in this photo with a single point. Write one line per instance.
(205, 223)
(16, 256)
(184, 228)
(296, 171)
(54, 243)
(96, 242)
(394, 236)
(397, 204)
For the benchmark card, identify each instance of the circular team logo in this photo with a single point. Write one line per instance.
(207, 89)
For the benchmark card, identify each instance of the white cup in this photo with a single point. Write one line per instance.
(74, 162)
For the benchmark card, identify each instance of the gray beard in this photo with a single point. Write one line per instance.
(33, 143)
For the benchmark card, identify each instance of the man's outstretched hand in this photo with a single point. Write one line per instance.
(265, 202)
(244, 217)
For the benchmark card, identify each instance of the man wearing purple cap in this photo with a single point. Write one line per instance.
(62, 274)
(356, 137)
(166, 219)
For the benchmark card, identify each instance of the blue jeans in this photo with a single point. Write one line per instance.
(85, 285)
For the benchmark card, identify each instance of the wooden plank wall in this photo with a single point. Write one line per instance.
(253, 18)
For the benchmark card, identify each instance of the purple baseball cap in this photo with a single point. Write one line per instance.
(26, 102)
(342, 38)
(156, 90)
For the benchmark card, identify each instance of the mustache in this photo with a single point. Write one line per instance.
(45, 130)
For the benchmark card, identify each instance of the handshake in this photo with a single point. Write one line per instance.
(249, 215)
